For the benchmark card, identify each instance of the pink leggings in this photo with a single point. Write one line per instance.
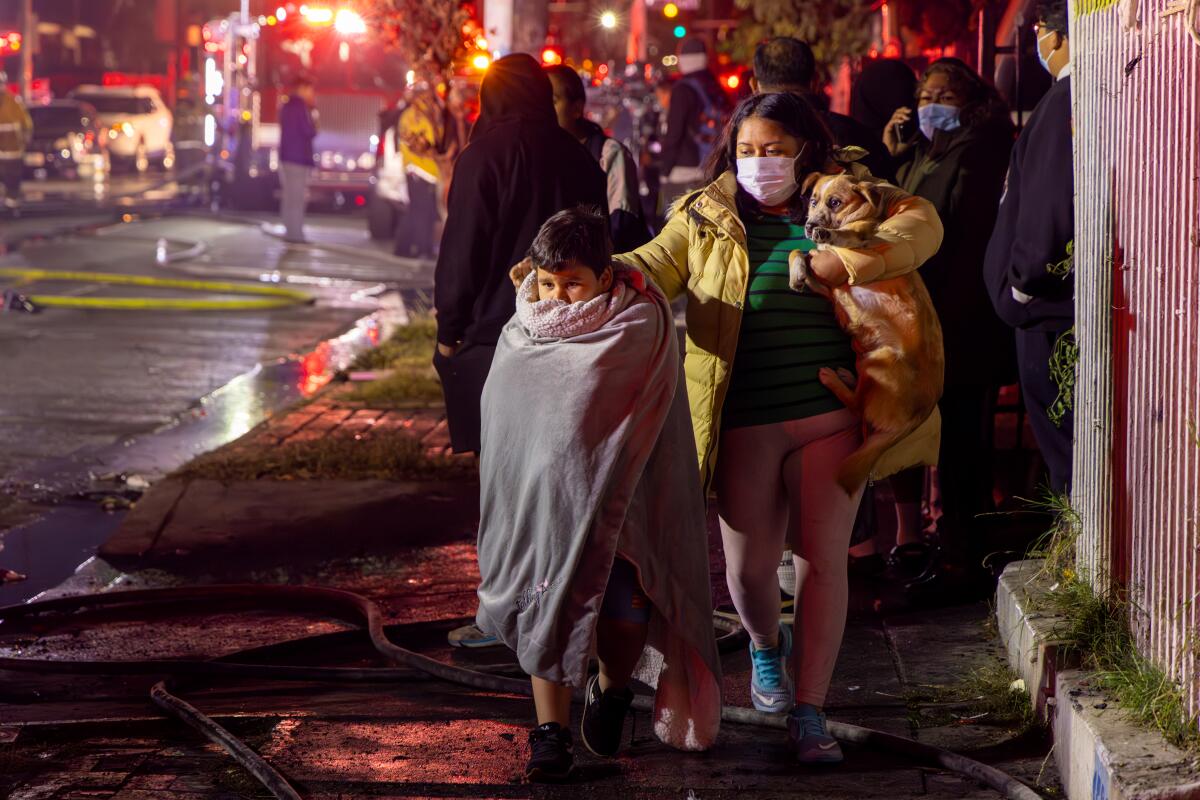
(775, 485)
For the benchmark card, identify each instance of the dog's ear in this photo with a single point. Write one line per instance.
(810, 181)
(870, 194)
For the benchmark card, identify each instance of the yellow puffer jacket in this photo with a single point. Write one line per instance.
(702, 251)
(15, 126)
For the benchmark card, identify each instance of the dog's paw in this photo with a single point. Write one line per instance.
(798, 270)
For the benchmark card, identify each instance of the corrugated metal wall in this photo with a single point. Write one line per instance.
(1137, 460)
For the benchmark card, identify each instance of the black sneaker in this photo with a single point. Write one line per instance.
(551, 754)
(604, 718)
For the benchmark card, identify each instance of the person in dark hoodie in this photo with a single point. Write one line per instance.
(627, 225)
(957, 161)
(518, 169)
(784, 64)
(297, 130)
(884, 85)
(1028, 265)
(696, 115)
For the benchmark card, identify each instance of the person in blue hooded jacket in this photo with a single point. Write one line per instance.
(297, 129)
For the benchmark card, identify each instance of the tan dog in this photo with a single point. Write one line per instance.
(895, 330)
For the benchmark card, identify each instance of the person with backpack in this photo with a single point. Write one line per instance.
(627, 225)
(696, 116)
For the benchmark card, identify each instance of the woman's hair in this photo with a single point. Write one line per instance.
(791, 112)
(981, 102)
(577, 234)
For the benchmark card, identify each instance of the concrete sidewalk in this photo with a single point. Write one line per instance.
(901, 670)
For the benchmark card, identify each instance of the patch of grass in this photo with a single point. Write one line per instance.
(386, 455)
(417, 338)
(408, 354)
(1094, 627)
(1057, 546)
(989, 695)
(408, 386)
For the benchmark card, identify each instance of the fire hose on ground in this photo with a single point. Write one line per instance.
(355, 609)
(264, 297)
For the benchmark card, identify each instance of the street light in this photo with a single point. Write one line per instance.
(608, 20)
(349, 23)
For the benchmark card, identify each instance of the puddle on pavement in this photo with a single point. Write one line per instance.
(49, 550)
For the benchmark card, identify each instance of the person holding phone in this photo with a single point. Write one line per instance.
(956, 158)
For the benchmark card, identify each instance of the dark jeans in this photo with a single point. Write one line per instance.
(10, 176)
(463, 376)
(1039, 392)
(415, 234)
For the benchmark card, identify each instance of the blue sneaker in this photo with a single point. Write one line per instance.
(810, 737)
(470, 636)
(770, 684)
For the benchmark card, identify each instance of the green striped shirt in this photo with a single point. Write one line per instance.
(786, 337)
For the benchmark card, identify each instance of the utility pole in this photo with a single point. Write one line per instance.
(27, 42)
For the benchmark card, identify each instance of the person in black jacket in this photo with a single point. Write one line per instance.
(627, 224)
(957, 161)
(696, 115)
(518, 169)
(784, 64)
(1028, 266)
(884, 85)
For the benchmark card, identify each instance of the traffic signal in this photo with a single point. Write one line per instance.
(670, 11)
(680, 31)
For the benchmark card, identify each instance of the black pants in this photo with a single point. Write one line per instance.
(966, 465)
(1039, 392)
(10, 177)
(415, 235)
(463, 376)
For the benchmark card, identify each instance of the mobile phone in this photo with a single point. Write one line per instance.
(907, 130)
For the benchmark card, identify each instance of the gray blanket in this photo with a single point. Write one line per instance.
(588, 451)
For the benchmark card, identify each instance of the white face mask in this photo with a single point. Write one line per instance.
(1045, 59)
(771, 180)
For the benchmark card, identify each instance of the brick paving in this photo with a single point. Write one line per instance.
(333, 414)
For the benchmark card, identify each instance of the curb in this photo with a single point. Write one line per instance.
(1029, 636)
(1101, 755)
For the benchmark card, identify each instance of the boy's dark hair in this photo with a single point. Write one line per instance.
(572, 84)
(577, 234)
(784, 62)
(1054, 14)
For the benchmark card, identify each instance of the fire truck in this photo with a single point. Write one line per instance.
(247, 65)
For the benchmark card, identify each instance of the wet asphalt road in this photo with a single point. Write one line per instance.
(77, 382)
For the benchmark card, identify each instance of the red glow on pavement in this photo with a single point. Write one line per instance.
(314, 370)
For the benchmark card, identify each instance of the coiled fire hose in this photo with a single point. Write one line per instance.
(358, 610)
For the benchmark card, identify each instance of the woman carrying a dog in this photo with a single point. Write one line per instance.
(770, 436)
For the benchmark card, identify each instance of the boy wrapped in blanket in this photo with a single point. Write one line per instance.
(592, 530)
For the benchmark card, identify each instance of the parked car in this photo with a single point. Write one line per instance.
(68, 141)
(138, 124)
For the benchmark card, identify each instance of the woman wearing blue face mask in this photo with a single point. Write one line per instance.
(754, 348)
(957, 159)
